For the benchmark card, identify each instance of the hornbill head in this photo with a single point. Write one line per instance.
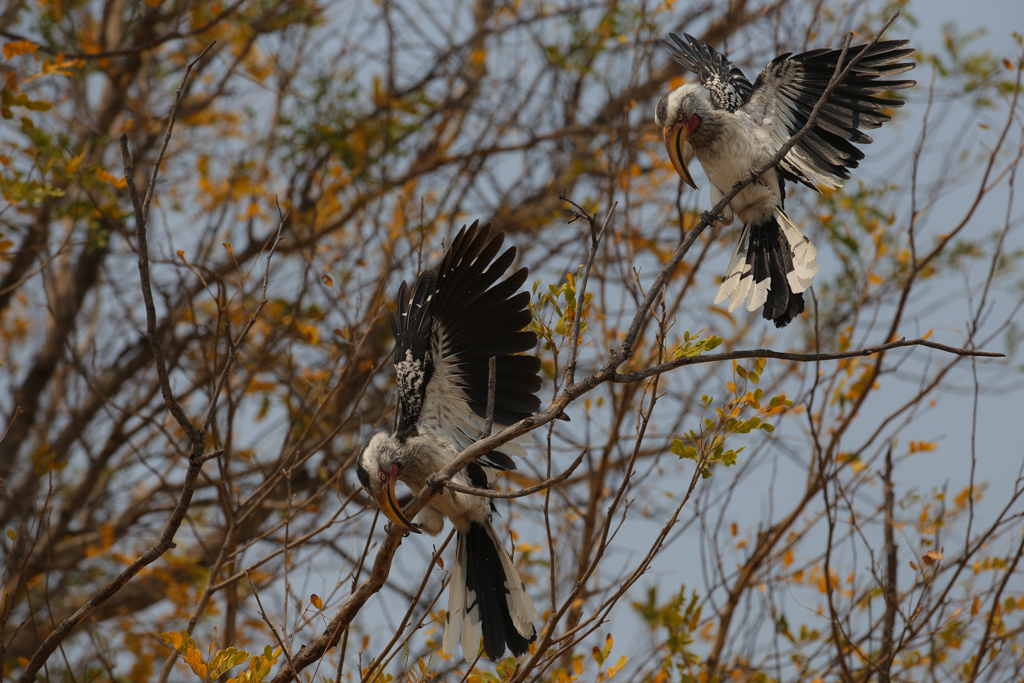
(678, 115)
(379, 467)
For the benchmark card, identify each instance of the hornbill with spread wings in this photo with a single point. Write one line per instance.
(446, 331)
(736, 127)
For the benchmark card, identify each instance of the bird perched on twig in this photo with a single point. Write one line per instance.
(455, 320)
(736, 127)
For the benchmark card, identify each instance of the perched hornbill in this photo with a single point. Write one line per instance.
(741, 126)
(456, 320)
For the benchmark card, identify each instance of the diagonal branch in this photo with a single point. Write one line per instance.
(141, 217)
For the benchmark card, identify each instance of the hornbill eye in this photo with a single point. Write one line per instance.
(679, 116)
(393, 474)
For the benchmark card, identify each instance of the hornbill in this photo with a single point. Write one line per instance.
(741, 126)
(455, 320)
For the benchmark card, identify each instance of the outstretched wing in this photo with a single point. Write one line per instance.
(471, 319)
(787, 90)
(726, 84)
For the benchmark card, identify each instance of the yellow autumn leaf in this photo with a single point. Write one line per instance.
(72, 165)
(477, 56)
(317, 602)
(106, 177)
(975, 606)
(931, 557)
(577, 666)
(19, 47)
(194, 659)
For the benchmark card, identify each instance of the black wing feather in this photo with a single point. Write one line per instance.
(788, 88)
(726, 84)
(474, 317)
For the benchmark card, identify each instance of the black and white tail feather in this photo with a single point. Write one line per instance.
(765, 271)
(487, 599)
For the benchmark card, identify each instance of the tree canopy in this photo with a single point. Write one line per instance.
(195, 344)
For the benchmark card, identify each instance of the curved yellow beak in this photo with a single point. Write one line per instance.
(675, 139)
(387, 501)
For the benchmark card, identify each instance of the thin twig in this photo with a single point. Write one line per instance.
(581, 289)
(839, 639)
(799, 357)
(978, 661)
(885, 657)
(547, 483)
(167, 134)
(273, 629)
(492, 385)
(141, 218)
(213, 454)
(17, 412)
(234, 345)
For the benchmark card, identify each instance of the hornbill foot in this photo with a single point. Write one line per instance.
(391, 529)
(711, 218)
(437, 479)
